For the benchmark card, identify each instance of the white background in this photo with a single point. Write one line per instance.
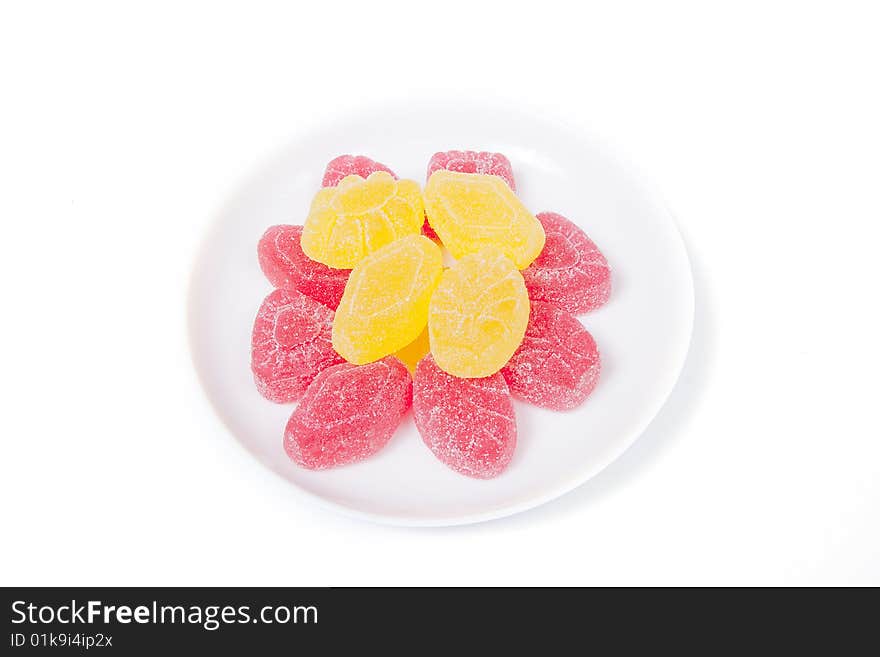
(126, 125)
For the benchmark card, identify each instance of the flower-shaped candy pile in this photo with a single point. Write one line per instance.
(366, 321)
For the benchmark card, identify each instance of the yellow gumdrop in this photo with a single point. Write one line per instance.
(385, 303)
(348, 222)
(412, 353)
(470, 212)
(478, 315)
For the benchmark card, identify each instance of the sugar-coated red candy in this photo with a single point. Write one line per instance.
(557, 365)
(351, 165)
(291, 344)
(493, 164)
(468, 424)
(348, 413)
(570, 271)
(285, 265)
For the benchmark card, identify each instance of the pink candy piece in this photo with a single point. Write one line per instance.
(570, 271)
(290, 344)
(493, 164)
(557, 365)
(348, 413)
(285, 265)
(468, 423)
(351, 165)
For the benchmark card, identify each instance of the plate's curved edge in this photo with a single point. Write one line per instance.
(503, 511)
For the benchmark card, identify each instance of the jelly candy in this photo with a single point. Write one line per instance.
(412, 353)
(557, 365)
(470, 212)
(285, 265)
(348, 222)
(478, 314)
(468, 424)
(351, 165)
(457, 344)
(385, 305)
(348, 413)
(570, 272)
(494, 164)
(290, 344)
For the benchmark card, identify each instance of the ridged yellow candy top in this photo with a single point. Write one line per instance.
(348, 222)
(470, 212)
(385, 303)
(478, 314)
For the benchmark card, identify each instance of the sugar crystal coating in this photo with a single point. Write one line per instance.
(468, 424)
(478, 314)
(470, 212)
(411, 354)
(570, 271)
(351, 165)
(285, 265)
(348, 413)
(290, 344)
(494, 164)
(348, 222)
(385, 304)
(557, 365)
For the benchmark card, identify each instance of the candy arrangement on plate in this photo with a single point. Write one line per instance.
(366, 321)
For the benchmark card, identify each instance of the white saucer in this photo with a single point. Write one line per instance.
(643, 332)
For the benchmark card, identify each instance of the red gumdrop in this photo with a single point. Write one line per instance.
(570, 271)
(348, 413)
(493, 164)
(429, 232)
(285, 265)
(557, 365)
(351, 165)
(468, 424)
(290, 344)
